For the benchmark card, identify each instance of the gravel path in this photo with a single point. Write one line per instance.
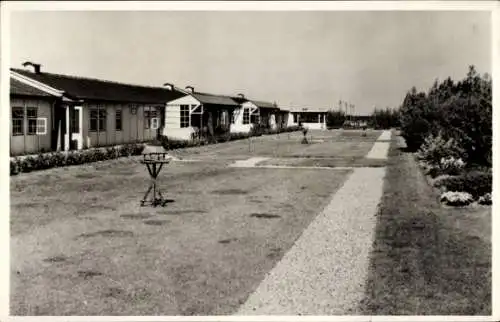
(324, 272)
(379, 151)
(381, 147)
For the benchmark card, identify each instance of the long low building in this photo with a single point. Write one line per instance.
(52, 112)
(59, 112)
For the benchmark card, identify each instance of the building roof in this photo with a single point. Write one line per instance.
(22, 89)
(212, 99)
(239, 100)
(96, 89)
(307, 110)
(262, 104)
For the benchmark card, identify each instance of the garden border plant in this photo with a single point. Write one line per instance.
(450, 127)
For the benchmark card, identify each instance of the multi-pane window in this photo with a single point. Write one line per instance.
(32, 115)
(295, 117)
(35, 124)
(97, 119)
(232, 117)
(184, 113)
(246, 116)
(41, 125)
(150, 114)
(17, 120)
(118, 120)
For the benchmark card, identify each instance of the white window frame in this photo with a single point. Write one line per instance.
(181, 116)
(155, 123)
(196, 109)
(44, 121)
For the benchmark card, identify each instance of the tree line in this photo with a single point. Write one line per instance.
(460, 110)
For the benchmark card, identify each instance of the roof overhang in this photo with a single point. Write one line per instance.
(36, 84)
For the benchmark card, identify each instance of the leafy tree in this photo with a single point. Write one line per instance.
(460, 110)
(335, 119)
(385, 118)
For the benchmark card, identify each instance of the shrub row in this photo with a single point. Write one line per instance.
(442, 160)
(171, 144)
(101, 146)
(61, 159)
(461, 111)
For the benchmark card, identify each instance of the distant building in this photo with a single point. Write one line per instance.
(268, 114)
(314, 119)
(245, 116)
(252, 112)
(197, 113)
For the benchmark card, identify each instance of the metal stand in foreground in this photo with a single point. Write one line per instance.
(154, 162)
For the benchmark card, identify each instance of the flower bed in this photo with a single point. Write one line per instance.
(454, 198)
(476, 183)
(442, 160)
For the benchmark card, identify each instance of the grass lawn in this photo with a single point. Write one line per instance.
(427, 259)
(81, 244)
(324, 144)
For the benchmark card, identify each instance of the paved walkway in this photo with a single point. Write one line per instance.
(325, 271)
(248, 163)
(381, 148)
(385, 136)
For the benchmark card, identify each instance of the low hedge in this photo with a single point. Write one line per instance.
(172, 144)
(477, 183)
(61, 159)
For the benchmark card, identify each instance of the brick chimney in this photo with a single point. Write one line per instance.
(241, 95)
(190, 89)
(36, 67)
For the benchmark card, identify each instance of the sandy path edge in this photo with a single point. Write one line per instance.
(325, 271)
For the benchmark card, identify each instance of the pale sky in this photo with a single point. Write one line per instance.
(302, 59)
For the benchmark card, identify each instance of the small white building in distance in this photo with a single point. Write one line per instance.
(196, 111)
(245, 116)
(252, 112)
(311, 118)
